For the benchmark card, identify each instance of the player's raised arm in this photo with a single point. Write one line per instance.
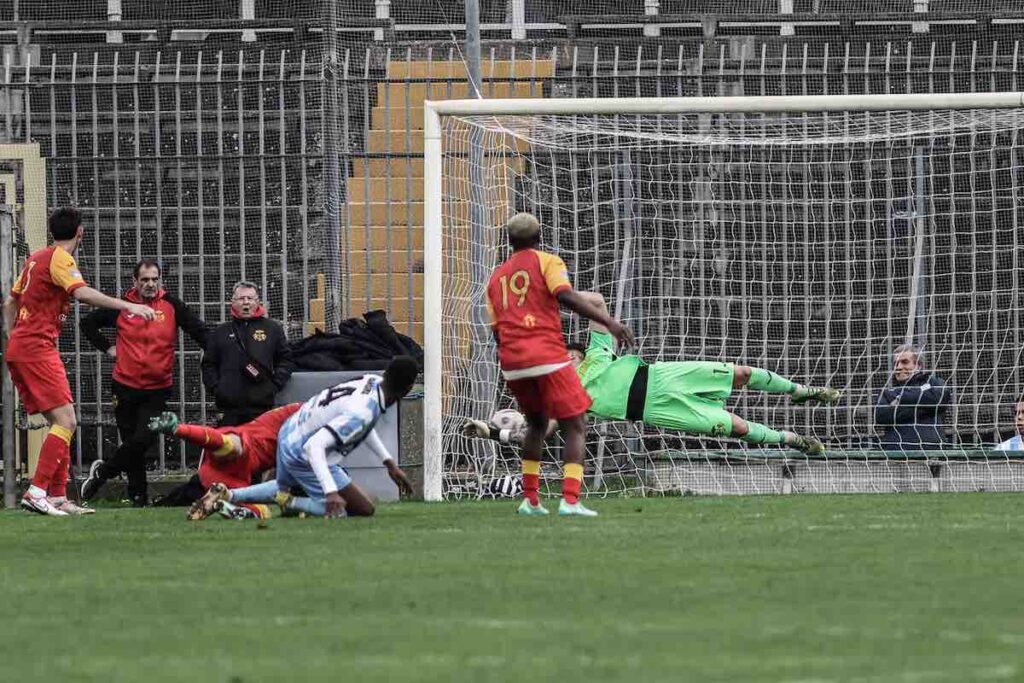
(524, 227)
(584, 304)
(598, 300)
(88, 295)
(65, 274)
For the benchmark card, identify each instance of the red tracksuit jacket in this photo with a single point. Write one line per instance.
(145, 348)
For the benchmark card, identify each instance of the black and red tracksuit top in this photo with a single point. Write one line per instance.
(145, 348)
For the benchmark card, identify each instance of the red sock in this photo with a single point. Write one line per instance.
(531, 481)
(572, 478)
(205, 437)
(49, 467)
(59, 483)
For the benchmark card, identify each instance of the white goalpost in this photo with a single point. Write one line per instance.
(809, 235)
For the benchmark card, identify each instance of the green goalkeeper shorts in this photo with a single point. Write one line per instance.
(690, 396)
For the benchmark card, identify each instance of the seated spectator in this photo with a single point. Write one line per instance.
(1015, 443)
(913, 405)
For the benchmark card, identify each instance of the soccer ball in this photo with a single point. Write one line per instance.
(509, 486)
(509, 419)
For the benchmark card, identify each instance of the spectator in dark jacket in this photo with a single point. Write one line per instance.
(912, 407)
(247, 359)
(143, 353)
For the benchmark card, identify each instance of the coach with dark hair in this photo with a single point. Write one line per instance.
(913, 405)
(143, 353)
(247, 360)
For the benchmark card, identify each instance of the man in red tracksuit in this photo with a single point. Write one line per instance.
(143, 374)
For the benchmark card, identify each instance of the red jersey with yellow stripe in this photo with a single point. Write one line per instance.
(525, 313)
(259, 437)
(42, 292)
(259, 450)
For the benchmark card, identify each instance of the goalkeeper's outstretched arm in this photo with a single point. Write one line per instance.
(584, 303)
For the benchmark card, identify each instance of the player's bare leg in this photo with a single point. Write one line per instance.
(533, 446)
(300, 506)
(357, 502)
(209, 439)
(574, 433)
(753, 432)
(54, 457)
(760, 379)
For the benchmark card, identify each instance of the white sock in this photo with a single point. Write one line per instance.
(58, 500)
(36, 492)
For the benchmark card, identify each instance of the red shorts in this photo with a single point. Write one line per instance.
(234, 474)
(42, 384)
(557, 395)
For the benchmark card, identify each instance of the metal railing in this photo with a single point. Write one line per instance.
(390, 20)
(213, 157)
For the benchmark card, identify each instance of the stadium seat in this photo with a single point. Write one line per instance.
(385, 188)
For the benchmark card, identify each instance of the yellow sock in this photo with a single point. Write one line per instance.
(62, 433)
(572, 479)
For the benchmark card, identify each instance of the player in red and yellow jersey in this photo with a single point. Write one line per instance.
(232, 455)
(33, 314)
(523, 297)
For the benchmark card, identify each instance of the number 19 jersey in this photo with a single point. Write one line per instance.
(521, 298)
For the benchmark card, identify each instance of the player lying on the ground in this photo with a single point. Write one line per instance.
(688, 396)
(312, 442)
(232, 456)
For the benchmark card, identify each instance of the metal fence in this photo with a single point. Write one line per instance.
(209, 161)
(217, 158)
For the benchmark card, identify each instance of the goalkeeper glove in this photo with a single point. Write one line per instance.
(477, 428)
(482, 430)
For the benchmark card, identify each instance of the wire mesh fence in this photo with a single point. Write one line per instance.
(250, 140)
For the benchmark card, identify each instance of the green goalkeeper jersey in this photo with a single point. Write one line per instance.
(606, 378)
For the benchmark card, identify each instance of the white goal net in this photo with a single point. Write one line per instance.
(811, 244)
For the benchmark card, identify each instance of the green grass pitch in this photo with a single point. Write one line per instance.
(825, 588)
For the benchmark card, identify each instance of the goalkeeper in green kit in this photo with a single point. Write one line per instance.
(687, 396)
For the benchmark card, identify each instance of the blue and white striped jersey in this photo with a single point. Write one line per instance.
(347, 411)
(1012, 444)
